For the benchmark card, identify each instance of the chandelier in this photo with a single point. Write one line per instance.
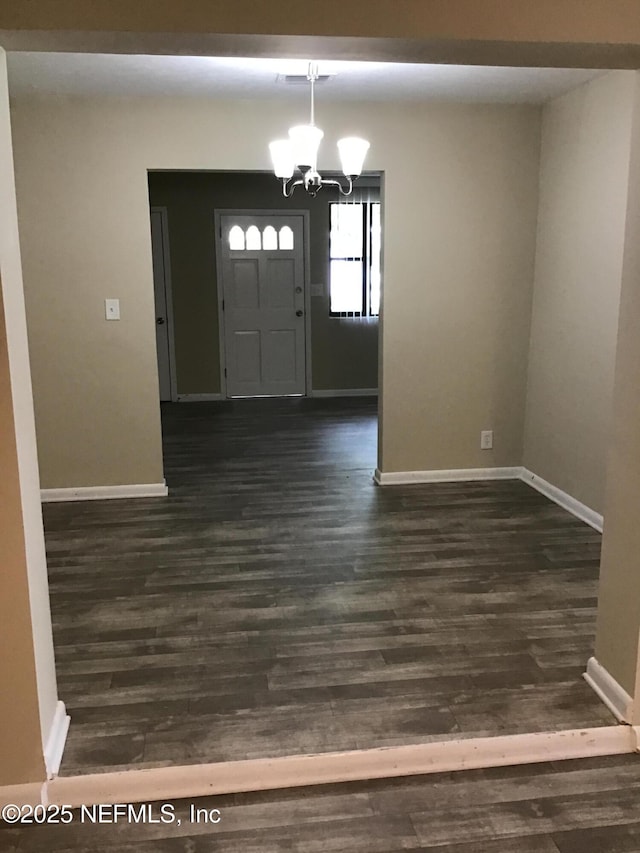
(300, 153)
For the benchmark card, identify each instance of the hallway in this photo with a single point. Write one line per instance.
(278, 602)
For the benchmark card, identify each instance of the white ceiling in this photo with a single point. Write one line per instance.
(201, 76)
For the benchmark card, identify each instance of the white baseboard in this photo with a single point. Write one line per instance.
(462, 475)
(614, 696)
(345, 392)
(197, 780)
(455, 475)
(580, 510)
(55, 742)
(199, 398)
(103, 493)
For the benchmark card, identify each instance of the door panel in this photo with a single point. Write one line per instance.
(280, 356)
(281, 283)
(247, 365)
(245, 293)
(263, 304)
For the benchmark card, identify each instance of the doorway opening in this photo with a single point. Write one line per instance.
(332, 274)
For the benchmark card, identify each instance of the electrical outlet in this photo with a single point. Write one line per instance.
(486, 439)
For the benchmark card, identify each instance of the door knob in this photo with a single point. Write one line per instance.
(160, 321)
(299, 313)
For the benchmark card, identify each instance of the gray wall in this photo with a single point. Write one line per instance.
(344, 352)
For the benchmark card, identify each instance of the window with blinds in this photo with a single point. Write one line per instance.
(354, 257)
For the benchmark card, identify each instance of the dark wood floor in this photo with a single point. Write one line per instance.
(586, 806)
(278, 602)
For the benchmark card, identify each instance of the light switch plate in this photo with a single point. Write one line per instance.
(317, 289)
(112, 309)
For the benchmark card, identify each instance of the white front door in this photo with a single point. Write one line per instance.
(262, 266)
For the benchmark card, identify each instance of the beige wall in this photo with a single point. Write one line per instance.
(583, 198)
(460, 197)
(619, 598)
(28, 694)
(344, 353)
(460, 213)
(84, 227)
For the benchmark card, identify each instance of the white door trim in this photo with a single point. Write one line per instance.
(306, 228)
(166, 263)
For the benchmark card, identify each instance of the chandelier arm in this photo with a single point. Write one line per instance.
(333, 183)
(288, 186)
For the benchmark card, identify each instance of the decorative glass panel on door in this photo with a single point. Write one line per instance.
(253, 238)
(269, 239)
(286, 238)
(236, 239)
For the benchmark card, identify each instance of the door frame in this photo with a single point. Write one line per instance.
(218, 213)
(166, 263)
